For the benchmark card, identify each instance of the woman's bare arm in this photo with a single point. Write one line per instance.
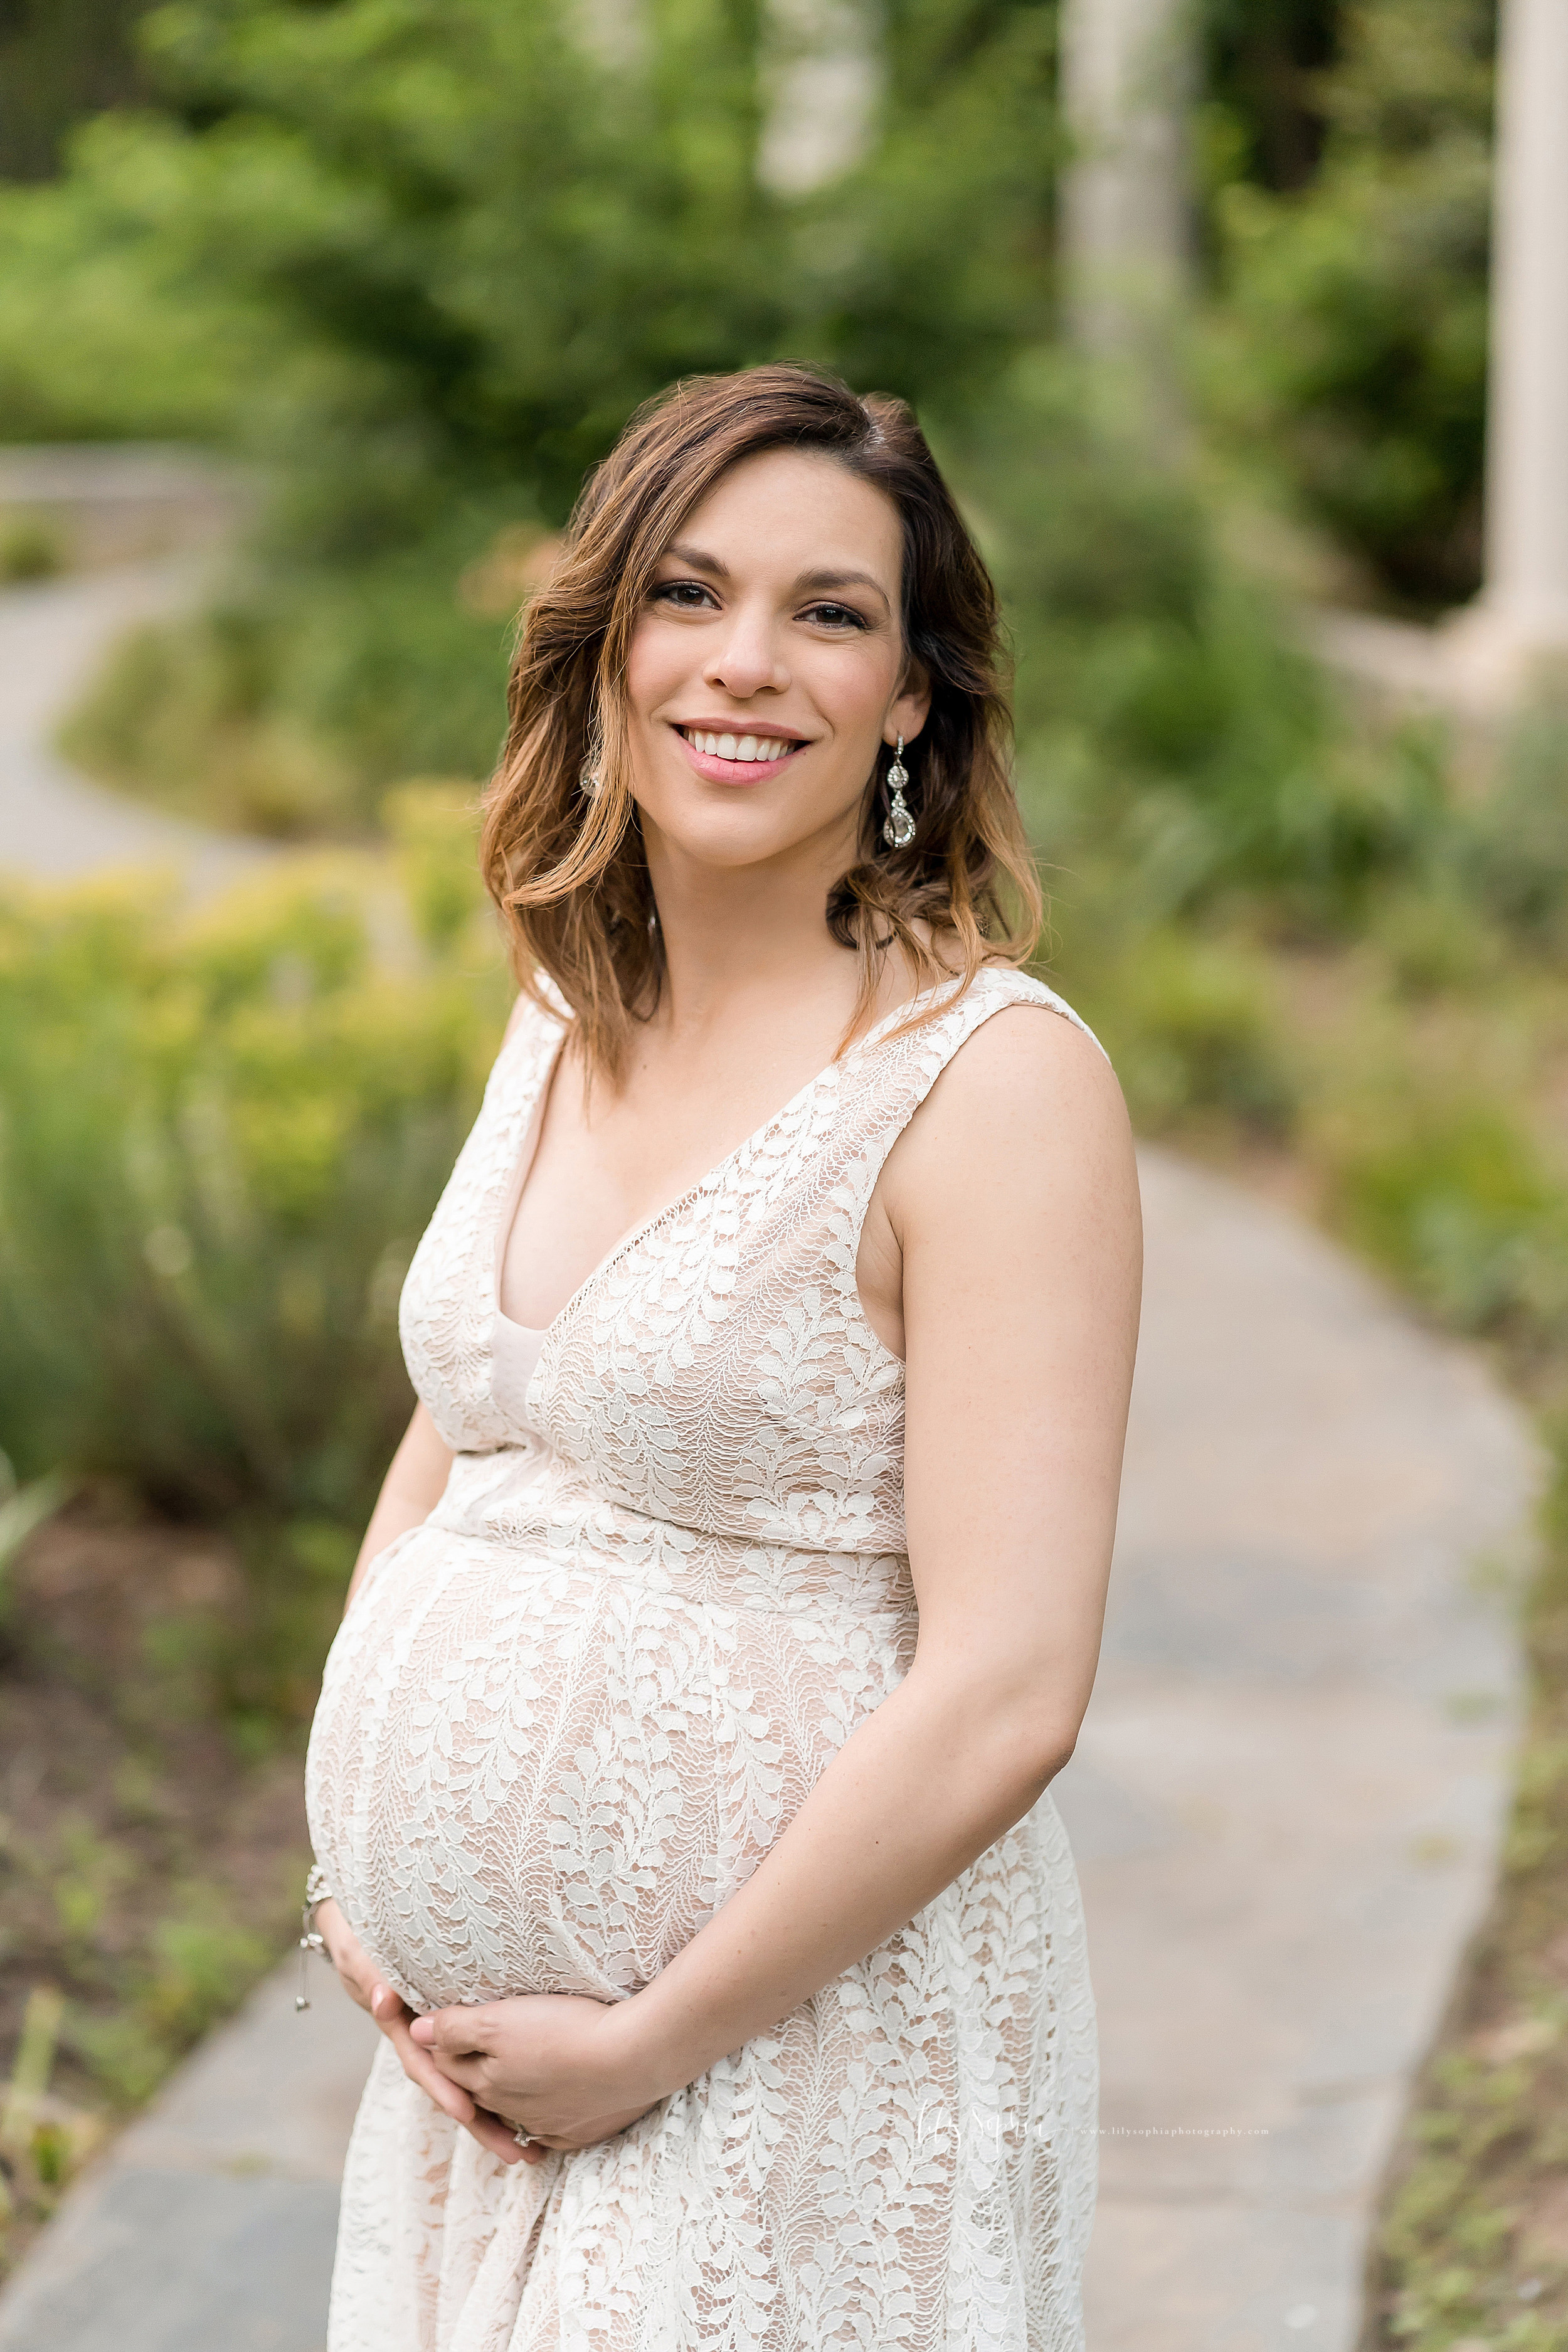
(1014, 1195)
(409, 1492)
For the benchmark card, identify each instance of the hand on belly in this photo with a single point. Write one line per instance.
(555, 2064)
(362, 1981)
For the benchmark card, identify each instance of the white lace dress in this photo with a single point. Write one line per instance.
(568, 1715)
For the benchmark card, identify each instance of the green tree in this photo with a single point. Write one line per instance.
(1351, 337)
(479, 235)
(1262, 67)
(61, 59)
(434, 252)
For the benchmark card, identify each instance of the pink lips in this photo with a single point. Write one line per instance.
(734, 771)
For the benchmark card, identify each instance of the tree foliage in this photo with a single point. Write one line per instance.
(60, 61)
(478, 234)
(423, 258)
(1352, 334)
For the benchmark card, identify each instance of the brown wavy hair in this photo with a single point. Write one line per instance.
(569, 873)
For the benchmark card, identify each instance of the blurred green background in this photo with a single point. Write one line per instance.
(411, 266)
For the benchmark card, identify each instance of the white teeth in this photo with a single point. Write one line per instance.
(745, 747)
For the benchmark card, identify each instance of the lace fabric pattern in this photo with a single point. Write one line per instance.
(569, 1713)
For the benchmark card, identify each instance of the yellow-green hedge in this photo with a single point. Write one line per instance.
(221, 1136)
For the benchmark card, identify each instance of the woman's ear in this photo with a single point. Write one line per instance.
(912, 706)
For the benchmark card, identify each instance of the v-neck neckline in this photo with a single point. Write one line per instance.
(638, 1232)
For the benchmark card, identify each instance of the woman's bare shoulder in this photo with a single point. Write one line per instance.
(1033, 1056)
(1028, 1102)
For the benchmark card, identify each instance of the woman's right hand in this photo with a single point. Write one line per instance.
(364, 1983)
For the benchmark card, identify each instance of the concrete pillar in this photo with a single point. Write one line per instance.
(1527, 430)
(1127, 74)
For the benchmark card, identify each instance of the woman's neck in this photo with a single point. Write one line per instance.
(743, 943)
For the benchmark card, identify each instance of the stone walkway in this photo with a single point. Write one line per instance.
(56, 824)
(1286, 1803)
(1289, 1789)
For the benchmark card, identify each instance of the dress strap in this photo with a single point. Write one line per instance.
(899, 1079)
(992, 990)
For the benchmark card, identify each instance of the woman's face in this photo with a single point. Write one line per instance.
(768, 664)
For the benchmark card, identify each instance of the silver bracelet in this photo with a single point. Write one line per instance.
(317, 1891)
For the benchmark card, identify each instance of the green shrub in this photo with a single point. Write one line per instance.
(107, 330)
(178, 713)
(1436, 938)
(289, 709)
(451, 247)
(30, 548)
(201, 1955)
(1168, 724)
(192, 1967)
(1455, 1200)
(220, 1139)
(1191, 1026)
(1349, 346)
(1517, 836)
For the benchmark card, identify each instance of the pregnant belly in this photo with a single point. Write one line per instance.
(525, 1777)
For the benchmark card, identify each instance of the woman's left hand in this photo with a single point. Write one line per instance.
(555, 2064)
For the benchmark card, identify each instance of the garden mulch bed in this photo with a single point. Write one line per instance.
(153, 1838)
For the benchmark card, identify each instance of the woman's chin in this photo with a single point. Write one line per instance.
(732, 835)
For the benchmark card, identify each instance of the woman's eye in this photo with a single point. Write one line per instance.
(690, 593)
(836, 616)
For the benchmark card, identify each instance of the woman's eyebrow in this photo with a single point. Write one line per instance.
(699, 559)
(826, 580)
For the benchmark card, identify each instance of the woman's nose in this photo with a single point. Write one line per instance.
(747, 661)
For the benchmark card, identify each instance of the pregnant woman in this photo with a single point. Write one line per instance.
(679, 1783)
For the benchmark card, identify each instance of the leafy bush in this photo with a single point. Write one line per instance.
(1350, 341)
(30, 548)
(1169, 726)
(433, 257)
(203, 1233)
(286, 711)
(1518, 833)
(108, 331)
(1451, 1196)
(476, 235)
(1191, 1027)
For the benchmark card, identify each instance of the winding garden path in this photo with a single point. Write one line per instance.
(1287, 1800)
(55, 822)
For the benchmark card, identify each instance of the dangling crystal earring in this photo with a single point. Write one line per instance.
(592, 776)
(899, 826)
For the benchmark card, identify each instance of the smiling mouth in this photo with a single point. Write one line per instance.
(746, 748)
